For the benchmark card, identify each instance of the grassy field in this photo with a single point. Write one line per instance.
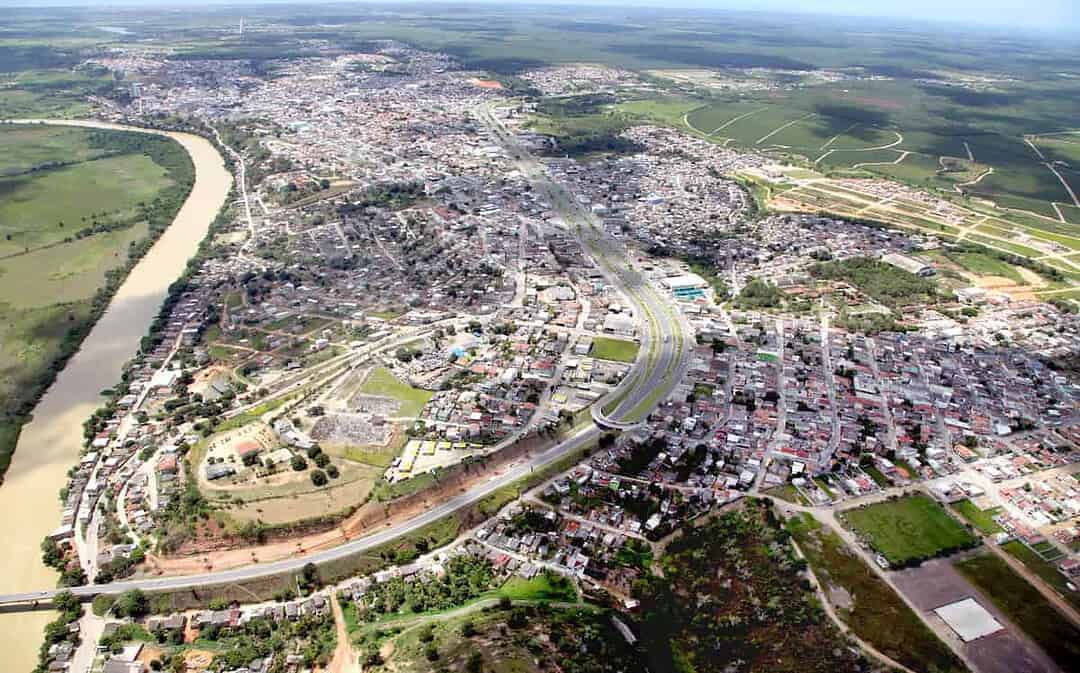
(113, 192)
(867, 604)
(1026, 607)
(620, 350)
(38, 210)
(1046, 571)
(383, 383)
(909, 530)
(539, 588)
(982, 519)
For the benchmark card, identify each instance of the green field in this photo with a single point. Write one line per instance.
(1026, 607)
(876, 613)
(1046, 571)
(36, 209)
(909, 530)
(114, 193)
(982, 519)
(620, 350)
(383, 383)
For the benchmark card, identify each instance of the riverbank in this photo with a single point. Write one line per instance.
(50, 443)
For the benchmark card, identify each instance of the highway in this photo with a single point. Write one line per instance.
(664, 351)
(657, 370)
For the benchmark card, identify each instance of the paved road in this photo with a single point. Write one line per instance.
(660, 375)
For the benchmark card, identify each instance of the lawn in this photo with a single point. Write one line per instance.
(382, 382)
(620, 350)
(1026, 607)
(983, 519)
(876, 613)
(543, 587)
(909, 530)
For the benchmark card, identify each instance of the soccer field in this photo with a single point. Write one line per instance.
(909, 530)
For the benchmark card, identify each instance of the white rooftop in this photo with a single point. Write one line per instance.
(970, 620)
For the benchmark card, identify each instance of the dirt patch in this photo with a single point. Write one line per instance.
(840, 597)
(487, 83)
(233, 552)
(198, 660)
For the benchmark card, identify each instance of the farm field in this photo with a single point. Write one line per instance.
(866, 603)
(383, 383)
(891, 128)
(620, 350)
(909, 530)
(1026, 607)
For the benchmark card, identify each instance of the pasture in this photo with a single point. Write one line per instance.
(51, 274)
(46, 207)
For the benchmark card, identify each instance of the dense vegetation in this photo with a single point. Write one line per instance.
(882, 282)
(732, 592)
(466, 577)
(759, 294)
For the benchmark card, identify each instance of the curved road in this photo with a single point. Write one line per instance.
(655, 373)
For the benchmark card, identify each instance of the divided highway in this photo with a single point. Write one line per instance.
(658, 369)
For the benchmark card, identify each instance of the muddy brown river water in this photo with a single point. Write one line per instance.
(50, 444)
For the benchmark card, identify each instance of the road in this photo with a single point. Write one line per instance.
(664, 353)
(663, 363)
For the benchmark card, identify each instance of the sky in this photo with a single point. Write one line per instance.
(1056, 15)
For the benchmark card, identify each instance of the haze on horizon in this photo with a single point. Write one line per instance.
(1052, 15)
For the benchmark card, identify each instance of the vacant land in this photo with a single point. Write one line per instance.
(382, 382)
(520, 639)
(909, 530)
(867, 604)
(982, 519)
(880, 281)
(1046, 571)
(732, 590)
(1025, 607)
(620, 350)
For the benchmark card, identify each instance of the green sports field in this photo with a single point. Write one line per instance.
(909, 530)
(620, 350)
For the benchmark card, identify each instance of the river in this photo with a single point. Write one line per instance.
(49, 445)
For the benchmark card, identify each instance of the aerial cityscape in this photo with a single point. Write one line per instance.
(516, 338)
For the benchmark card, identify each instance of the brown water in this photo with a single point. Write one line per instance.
(50, 444)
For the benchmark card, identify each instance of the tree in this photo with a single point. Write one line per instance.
(66, 602)
(299, 464)
(318, 477)
(322, 460)
(133, 603)
(475, 663)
